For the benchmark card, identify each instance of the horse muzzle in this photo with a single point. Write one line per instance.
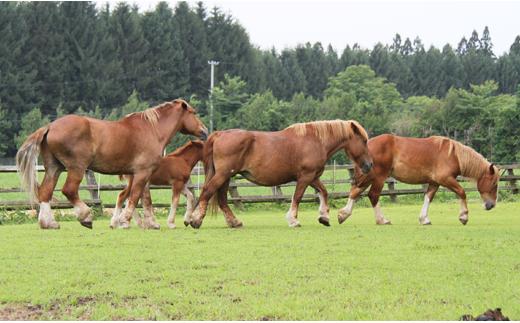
(489, 205)
(204, 134)
(367, 166)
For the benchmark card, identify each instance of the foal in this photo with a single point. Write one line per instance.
(436, 161)
(175, 170)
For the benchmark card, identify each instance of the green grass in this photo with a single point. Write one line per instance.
(356, 271)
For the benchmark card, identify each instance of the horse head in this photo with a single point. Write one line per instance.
(487, 186)
(357, 149)
(189, 120)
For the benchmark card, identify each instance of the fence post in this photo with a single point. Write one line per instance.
(512, 182)
(391, 189)
(233, 191)
(94, 194)
(277, 191)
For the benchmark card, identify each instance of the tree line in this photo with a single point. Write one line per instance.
(70, 57)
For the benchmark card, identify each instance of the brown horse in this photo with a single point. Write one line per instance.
(175, 170)
(132, 145)
(436, 161)
(297, 153)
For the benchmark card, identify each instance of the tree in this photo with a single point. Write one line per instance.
(229, 96)
(193, 39)
(169, 69)
(262, 112)
(133, 104)
(30, 123)
(357, 93)
(131, 47)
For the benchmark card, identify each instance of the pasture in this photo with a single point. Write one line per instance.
(356, 271)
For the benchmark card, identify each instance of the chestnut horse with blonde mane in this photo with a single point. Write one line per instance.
(175, 170)
(297, 153)
(131, 145)
(436, 161)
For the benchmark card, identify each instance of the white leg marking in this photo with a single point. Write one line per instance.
(291, 217)
(380, 218)
(171, 216)
(463, 217)
(190, 202)
(423, 218)
(324, 212)
(82, 212)
(114, 221)
(45, 218)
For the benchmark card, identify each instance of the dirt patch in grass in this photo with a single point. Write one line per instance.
(20, 312)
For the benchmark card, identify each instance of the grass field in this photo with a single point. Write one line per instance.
(267, 271)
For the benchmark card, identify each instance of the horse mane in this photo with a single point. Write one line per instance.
(328, 129)
(151, 115)
(183, 148)
(471, 163)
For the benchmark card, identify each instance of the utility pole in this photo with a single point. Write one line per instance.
(212, 63)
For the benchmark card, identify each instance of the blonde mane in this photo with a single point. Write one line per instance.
(328, 129)
(471, 163)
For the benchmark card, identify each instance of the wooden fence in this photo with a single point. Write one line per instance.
(508, 181)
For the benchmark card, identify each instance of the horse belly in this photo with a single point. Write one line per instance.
(411, 174)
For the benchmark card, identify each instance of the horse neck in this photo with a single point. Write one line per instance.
(192, 155)
(168, 125)
(332, 145)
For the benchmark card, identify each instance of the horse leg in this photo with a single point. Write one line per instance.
(207, 192)
(231, 220)
(70, 190)
(428, 198)
(292, 214)
(373, 195)
(149, 218)
(452, 184)
(121, 197)
(136, 190)
(176, 194)
(190, 202)
(323, 217)
(45, 218)
(355, 192)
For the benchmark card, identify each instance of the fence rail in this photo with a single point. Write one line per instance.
(509, 179)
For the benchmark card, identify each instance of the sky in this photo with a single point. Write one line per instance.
(287, 23)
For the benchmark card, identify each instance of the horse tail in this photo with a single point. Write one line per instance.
(26, 161)
(209, 171)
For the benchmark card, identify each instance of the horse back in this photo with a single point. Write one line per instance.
(414, 160)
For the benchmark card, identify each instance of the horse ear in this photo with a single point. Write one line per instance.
(492, 169)
(184, 105)
(355, 128)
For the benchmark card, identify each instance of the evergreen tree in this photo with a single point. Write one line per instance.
(131, 47)
(168, 66)
(30, 122)
(193, 39)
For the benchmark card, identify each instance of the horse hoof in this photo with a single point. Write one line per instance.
(172, 225)
(325, 221)
(295, 225)
(155, 227)
(124, 225)
(427, 223)
(464, 222)
(386, 222)
(50, 226)
(237, 225)
(341, 219)
(86, 224)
